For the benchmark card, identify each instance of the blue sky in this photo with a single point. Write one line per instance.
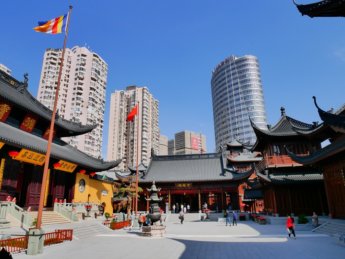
(172, 47)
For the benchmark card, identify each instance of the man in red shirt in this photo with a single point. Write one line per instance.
(290, 226)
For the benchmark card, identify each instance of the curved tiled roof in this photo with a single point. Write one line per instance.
(326, 8)
(245, 157)
(335, 121)
(286, 127)
(328, 151)
(16, 92)
(21, 139)
(190, 168)
(289, 178)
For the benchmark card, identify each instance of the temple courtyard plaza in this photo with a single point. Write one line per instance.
(195, 239)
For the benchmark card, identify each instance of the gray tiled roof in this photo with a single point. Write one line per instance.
(335, 121)
(245, 157)
(301, 177)
(21, 139)
(189, 168)
(286, 126)
(18, 94)
(234, 143)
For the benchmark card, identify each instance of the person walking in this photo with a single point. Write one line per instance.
(315, 219)
(181, 216)
(174, 208)
(234, 218)
(132, 220)
(227, 218)
(290, 226)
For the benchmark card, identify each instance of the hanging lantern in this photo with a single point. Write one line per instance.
(56, 165)
(92, 174)
(13, 153)
(82, 171)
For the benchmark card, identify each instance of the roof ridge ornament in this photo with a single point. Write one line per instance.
(282, 111)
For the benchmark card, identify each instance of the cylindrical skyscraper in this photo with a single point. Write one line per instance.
(237, 96)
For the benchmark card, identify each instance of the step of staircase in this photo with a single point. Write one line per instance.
(332, 228)
(50, 217)
(90, 229)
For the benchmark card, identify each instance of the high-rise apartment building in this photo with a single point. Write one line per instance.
(187, 142)
(123, 138)
(237, 97)
(81, 95)
(163, 145)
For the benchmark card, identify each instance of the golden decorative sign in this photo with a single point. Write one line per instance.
(1, 144)
(66, 166)
(46, 134)
(183, 185)
(31, 157)
(5, 110)
(2, 168)
(28, 123)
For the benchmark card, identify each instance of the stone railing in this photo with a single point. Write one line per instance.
(66, 210)
(17, 212)
(71, 210)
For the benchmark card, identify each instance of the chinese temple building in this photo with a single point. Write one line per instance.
(289, 186)
(194, 180)
(241, 159)
(331, 158)
(24, 126)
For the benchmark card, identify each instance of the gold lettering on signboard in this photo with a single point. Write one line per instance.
(30, 157)
(4, 111)
(66, 166)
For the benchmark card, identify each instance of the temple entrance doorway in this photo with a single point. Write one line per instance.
(185, 199)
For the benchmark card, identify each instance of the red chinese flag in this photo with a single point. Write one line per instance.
(132, 114)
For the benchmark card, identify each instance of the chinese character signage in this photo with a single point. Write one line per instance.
(28, 123)
(65, 166)
(46, 134)
(5, 110)
(183, 185)
(31, 157)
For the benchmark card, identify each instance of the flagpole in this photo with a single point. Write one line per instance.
(51, 130)
(137, 171)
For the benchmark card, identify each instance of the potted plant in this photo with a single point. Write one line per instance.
(107, 221)
(302, 219)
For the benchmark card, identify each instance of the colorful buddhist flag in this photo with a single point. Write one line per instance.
(54, 26)
(132, 114)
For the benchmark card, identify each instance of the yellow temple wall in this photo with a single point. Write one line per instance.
(99, 192)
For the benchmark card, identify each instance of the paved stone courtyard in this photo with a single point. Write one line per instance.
(200, 240)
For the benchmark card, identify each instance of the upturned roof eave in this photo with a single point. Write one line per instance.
(335, 121)
(322, 9)
(21, 139)
(21, 97)
(322, 154)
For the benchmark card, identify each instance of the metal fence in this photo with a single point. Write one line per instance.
(15, 245)
(19, 244)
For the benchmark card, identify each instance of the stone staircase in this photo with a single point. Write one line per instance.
(89, 229)
(50, 218)
(334, 228)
